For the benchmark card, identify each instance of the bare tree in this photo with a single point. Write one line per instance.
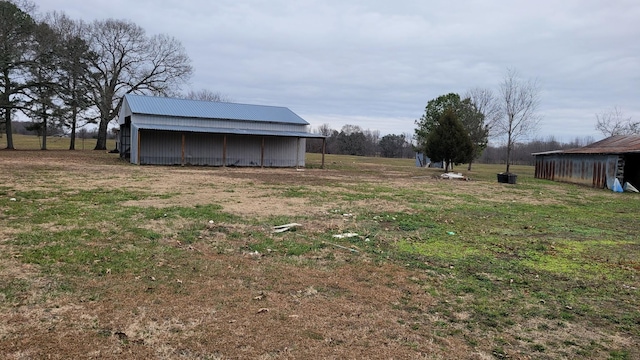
(519, 100)
(613, 122)
(127, 61)
(488, 105)
(207, 95)
(325, 129)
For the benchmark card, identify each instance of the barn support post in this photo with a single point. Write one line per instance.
(324, 149)
(262, 154)
(139, 136)
(224, 151)
(182, 159)
(298, 152)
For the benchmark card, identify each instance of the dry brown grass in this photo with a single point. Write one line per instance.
(220, 301)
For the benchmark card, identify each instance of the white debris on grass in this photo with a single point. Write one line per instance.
(345, 235)
(342, 247)
(451, 175)
(285, 227)
(630, 188)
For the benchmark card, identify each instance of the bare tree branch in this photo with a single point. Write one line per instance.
(613, 122)
(488, 105)
(207, 95)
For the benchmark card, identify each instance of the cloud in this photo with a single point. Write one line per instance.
(377, 63)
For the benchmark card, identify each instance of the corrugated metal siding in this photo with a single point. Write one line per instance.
(282, 152)
(124, 112)
(243, 150)
(278, 152)
(216, 123)
(160, 148)
(166, 148)
(592, 170)
(203, 149)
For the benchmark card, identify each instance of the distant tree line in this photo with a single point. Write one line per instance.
(353, 140)
(521, 152)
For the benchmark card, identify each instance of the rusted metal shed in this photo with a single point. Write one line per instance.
(596, 165)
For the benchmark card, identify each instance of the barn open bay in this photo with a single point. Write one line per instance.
(100, 258)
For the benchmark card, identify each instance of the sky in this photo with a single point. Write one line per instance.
(376, 63)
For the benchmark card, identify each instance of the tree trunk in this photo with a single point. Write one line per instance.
(101, 143)
(469, 168)
(509, 146)
(7, 110)
(8, 128)
(74, 116)
(44, 128)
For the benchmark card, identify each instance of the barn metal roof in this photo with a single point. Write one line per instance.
(228, 131)
(620, 144)
(165, 106)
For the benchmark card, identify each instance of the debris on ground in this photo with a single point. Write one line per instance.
(456, 176)
(345, 235)
(342, 247)
(630, 188)
(616, 186)
(285, 227)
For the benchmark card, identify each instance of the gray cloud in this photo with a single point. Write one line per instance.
(377, 63)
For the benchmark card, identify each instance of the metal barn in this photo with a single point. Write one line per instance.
(171, 131)
(596, 165)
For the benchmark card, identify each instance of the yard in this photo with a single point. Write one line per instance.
(103, 259)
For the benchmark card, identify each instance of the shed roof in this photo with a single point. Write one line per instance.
(620, 144)
(165, 106)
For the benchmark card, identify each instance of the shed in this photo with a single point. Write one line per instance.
(171, 131)
(596, 165)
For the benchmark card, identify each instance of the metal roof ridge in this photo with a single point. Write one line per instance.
(206, 101)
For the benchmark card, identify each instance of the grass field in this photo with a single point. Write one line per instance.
(28, 142)
(104, 259)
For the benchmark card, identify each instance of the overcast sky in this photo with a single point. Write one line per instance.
(376, 63)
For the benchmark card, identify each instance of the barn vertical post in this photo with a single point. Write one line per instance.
(139, 136)
(224, 151)
(182, 161)
(262, 154)
(324, 148)
(298, 152)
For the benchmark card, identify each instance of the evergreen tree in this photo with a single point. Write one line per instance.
(472, 119)
(448, 141)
